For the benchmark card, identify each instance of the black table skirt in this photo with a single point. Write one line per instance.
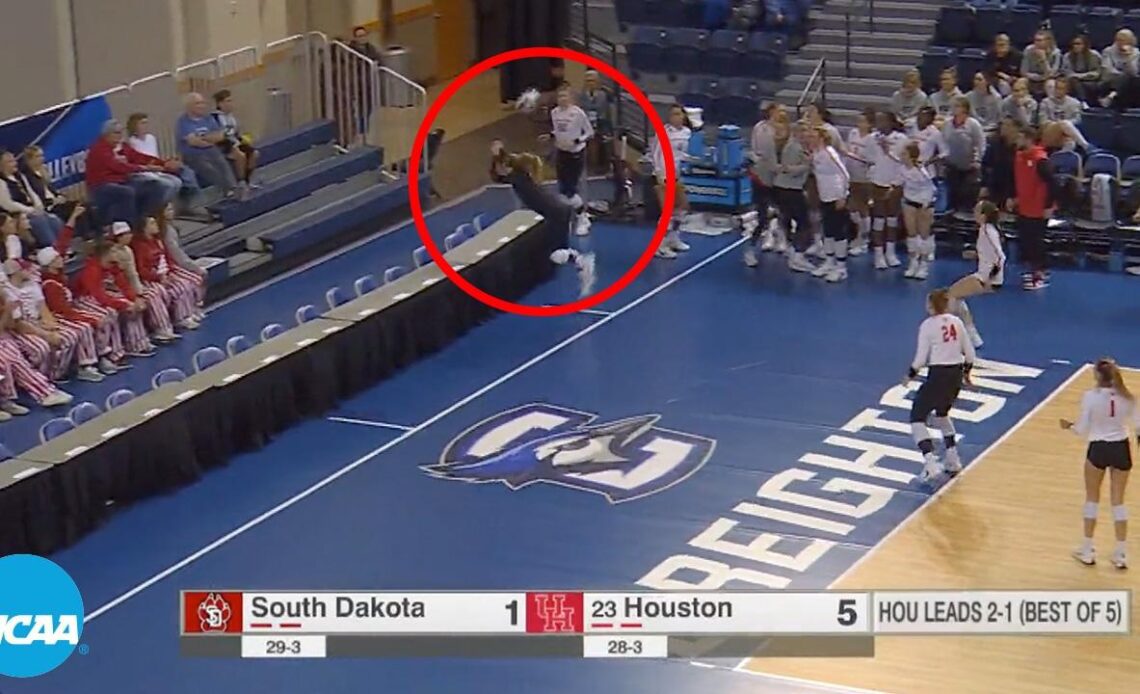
(55, 508)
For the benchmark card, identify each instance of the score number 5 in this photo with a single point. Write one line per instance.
(848, 615)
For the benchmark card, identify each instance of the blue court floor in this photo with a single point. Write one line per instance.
(758, 375)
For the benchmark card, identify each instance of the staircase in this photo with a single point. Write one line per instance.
(880, 52)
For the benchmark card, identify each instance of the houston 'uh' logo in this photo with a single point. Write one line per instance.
(214, 613)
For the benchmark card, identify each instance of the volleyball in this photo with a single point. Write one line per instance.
(529, 100)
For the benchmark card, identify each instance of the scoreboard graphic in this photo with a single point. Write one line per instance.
(582, 624)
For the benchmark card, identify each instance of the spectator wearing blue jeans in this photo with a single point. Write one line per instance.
(179, 176)
(199, 135)
(17, 197)
(123, 190)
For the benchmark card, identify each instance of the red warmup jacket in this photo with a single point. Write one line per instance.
(1032, 178)
(92, 279)
(147, 251)
(105, 165)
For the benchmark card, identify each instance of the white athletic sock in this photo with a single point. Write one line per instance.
(841, 250)
(829, 247)
(1087, 544)
(911, 245)
(927, 246)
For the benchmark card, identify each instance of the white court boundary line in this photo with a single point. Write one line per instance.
(369, 423)
(976, 462)
(266, 515)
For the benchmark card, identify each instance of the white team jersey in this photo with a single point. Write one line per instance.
(859, 154)
(930, 144)
(1106, 416)
(27, 301)
(831, 177)
(571, 128)
(886, 171)
(942, 341)
(678, 142)
(990, 255)
(918, 187)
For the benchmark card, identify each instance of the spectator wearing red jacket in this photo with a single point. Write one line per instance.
(1033, 183)
(155, 296)
(101, 286)
(103, 323)
(124, 190)
(162, 275)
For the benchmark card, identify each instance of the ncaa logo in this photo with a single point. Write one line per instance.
(622, 460)
(41, 615)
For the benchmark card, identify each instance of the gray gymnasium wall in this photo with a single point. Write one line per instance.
(37, 69)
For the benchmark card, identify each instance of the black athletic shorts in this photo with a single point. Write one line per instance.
(938, 394)
(1110, 454)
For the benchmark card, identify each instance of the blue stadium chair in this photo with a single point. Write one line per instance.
(1101, 24)
(646, 49)
(693, 13)
(335, 296)
(765, 58)
(1066, 165)
(84, 412)
(451, 241)
(935, 59)
(1102, 163)
(365, 284)
(726, 54)
(305, 313)
(1066, 21)
(769, 41)
(1128, 136)
(394, 273)
(238, 344)
(630, 12)
(669, 13)
(479, 223)
(1099, 127)
(1130, 169)
(955, 25)
(119, 398)
(271, 331)
(687, 53)
(5, 453)
(699, 92)
(989, 21)
(167, 376)
(1023, 23)
(970, 62)
(207, 357)
(421, 257)
(742, 104)
(54, 428)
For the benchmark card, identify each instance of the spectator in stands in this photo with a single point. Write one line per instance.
(1003, 64)
(362, 45)
(17, 197)
(817, 117)
(1082, 67)
(1041, 62)
(141, 140)
(997, 163)
(943, 99)
(985, 106)
(103, 323)
(1121, 65)
(116, 184)
(102, 286)
(200, 136)
(785, 15)
(35, 172)
(1064, 110)
(909, 98)
(15, 231)
(1020, 105)
(181, 290)
(746, 15)
(173, 243)
(237, 146)
(1033, 183)
(17, 372)
(965, 141)
(155, 298)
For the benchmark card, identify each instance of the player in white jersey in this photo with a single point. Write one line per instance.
(886, 178)
(571, 130)
(858, 157)
(678, 131)
(947, 353)
(918, 192)
(1107, 411)
(991, 268)
(833, 183)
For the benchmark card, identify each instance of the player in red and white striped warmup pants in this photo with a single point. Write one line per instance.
(17, 372)
(159, 273)
(37, 324)
(106, 344)
(155, 297)
(93, 295)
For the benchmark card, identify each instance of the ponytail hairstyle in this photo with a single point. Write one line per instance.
(1108, 375)
(913, 151)
(530, 164)
(990, 212)
(939, 300)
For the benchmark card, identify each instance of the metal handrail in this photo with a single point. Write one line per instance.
(869, 5)
(819, 74)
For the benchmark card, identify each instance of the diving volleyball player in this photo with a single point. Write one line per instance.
(949, 355)
(1106, 412)
(991, 268)
(524, 171)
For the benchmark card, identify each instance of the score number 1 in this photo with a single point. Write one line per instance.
(513, 610)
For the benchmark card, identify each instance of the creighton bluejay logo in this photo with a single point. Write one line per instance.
(622, 460)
